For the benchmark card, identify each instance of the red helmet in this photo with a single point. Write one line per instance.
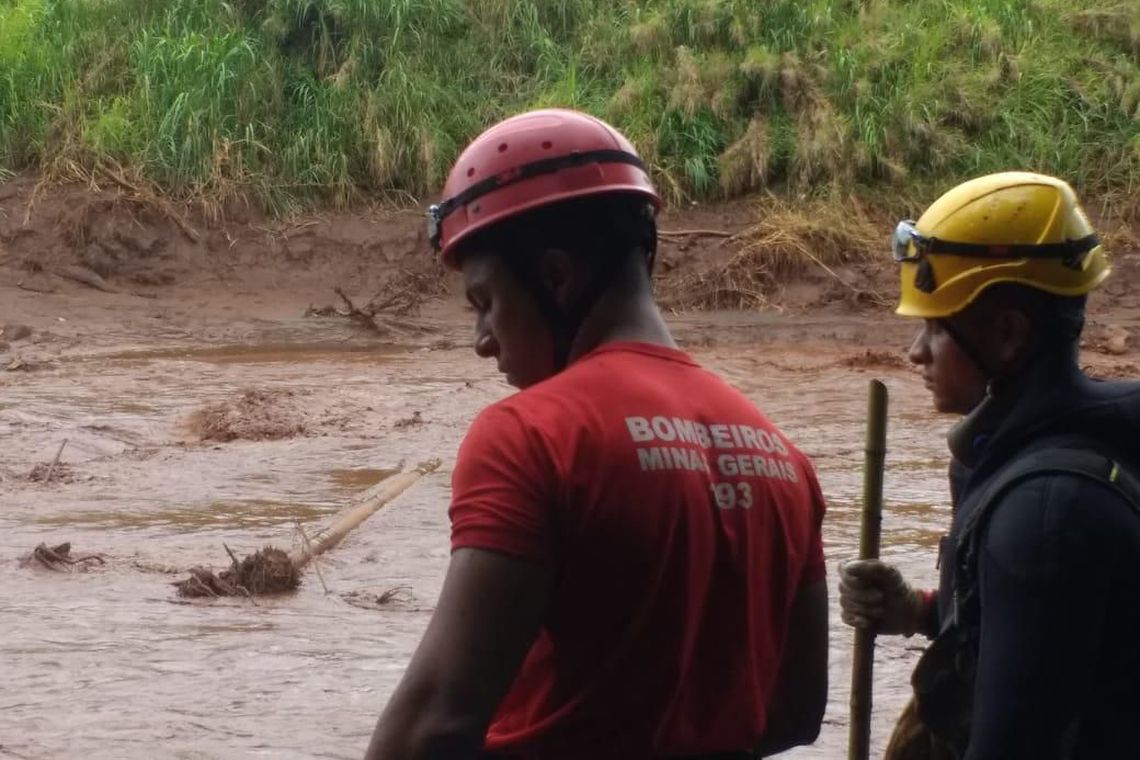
(532, 160)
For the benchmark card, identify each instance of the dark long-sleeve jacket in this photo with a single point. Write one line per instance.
(1058, 651)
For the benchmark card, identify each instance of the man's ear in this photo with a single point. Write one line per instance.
(1012, 332)
(561, 275)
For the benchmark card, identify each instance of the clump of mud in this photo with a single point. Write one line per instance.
(255, 415)
(268, 571)
(59, 558)
(874, 359)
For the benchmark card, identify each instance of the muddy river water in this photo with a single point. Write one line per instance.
(110, 664)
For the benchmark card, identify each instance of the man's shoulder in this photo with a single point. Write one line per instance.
(1050, 510)
(1059, 470)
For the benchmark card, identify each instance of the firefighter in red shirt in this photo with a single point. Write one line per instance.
(636, 568)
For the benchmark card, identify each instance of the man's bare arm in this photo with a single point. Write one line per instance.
(797, 707)
(488, 615)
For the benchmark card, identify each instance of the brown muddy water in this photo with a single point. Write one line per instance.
(110, 664)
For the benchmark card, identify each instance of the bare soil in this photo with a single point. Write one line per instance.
(744, 254)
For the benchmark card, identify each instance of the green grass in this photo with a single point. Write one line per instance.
(312, 102)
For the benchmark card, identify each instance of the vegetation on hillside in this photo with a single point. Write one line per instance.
(297, 102)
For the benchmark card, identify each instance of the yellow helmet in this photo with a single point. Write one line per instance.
(1008, 227)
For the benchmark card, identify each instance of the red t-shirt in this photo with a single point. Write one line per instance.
(678, 523)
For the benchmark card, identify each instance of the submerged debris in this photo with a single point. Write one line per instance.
(398, 597)
(43, 473)
(383, 316)
(268, 571)
(409, 422)
(59, 558)
(271, 570)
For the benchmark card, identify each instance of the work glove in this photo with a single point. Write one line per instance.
(874, 596)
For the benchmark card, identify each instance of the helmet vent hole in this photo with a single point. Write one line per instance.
(547, 145)
(471, 172)
(502, 147)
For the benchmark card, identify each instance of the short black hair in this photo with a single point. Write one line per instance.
(606, 229)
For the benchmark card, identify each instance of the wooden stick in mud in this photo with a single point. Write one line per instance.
(863, 661)
(55, 462)
(367, 505)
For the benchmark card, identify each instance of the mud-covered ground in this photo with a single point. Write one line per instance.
(205, 401)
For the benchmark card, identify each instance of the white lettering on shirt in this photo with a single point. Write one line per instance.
(639, 429)
(751, 455)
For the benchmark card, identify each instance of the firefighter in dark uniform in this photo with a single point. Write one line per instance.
(1036, 621)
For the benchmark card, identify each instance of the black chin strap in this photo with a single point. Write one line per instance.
(969, 350)
(565, 324)
(561, 331)
(992, 377)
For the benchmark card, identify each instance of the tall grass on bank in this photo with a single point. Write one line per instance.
(298, 102)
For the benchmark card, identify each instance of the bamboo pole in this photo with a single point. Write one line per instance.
(863, 660)
(368, 504)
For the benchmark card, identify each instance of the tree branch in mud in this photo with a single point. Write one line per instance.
(368, 316)
(401, 295)
(396, 596)
(272, 571)
(358, 315)
(59, 558)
